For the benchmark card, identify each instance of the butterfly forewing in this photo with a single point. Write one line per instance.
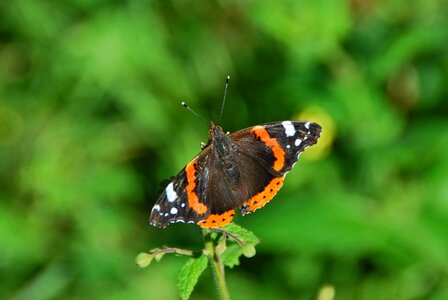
(268, 152)
(177, 203)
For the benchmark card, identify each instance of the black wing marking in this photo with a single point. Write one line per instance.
(294, 137)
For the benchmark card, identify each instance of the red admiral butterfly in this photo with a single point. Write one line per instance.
(242, 170)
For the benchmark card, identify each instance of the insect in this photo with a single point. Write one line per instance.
(241, 171)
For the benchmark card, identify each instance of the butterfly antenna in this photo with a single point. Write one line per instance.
(195, 113)
(224, 99)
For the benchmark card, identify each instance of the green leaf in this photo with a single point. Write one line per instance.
(159, 256)
(143, 260)
(241, 233)
(213, 235)
(248, 250)
(231, 257)
(189, 275)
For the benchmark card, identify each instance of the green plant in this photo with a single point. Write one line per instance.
(216, 252)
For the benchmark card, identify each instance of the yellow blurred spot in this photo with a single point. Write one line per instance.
(321, 117)
(326, 292)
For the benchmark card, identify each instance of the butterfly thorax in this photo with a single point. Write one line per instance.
(223, 151)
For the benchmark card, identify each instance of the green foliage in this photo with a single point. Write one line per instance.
(231, 256)
(215, 249)
(245, 244)
(144, 259)
(90, 122)
(189, 275)
(248, 250)
(240, 234)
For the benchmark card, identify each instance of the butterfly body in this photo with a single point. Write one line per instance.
(242, 170)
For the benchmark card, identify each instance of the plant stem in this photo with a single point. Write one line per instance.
(165, 250)
(217, 265)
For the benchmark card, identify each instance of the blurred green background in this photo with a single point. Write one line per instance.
(90, 123)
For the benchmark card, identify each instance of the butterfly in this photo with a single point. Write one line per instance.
(234, 171)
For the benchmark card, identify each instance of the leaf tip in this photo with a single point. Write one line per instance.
(143, 259)
(248, 250)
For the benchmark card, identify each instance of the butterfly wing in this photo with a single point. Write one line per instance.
(190, 198)
(266, 153)
(180, 202)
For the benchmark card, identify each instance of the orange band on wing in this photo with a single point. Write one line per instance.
(218, 220)
(260, 199)
(279, 154)
(193, 200)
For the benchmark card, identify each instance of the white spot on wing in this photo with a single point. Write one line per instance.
(289, 128)
(173, 211)
(298, 142)
(182, 205)
(288, 146)
(170, 193)
(307, 125)
(166, 214)
(156, 207)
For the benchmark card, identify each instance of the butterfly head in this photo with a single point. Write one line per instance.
(215, 130)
